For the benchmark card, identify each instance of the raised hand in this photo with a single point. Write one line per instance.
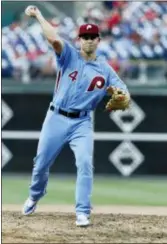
(32, 11)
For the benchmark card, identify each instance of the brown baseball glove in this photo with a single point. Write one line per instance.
(119, 100)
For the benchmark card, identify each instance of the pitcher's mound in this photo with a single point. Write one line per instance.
(52, 227)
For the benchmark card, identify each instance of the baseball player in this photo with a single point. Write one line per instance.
(83, 79)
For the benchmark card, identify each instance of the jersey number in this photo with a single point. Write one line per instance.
(73, 75)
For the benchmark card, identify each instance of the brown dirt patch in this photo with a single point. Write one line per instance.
(59, 226)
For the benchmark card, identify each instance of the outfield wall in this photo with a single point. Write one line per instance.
(127, 143)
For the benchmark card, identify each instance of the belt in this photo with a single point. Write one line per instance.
(69, 114)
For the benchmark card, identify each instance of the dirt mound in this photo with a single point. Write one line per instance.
(59, 227)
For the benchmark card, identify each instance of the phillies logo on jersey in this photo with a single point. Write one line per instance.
(97, 82)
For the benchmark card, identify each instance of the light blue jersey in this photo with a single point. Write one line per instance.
(82, 84)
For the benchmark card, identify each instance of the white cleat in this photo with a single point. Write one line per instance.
(29, 207)
(82, 220)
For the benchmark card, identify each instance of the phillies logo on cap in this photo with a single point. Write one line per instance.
(88, 27)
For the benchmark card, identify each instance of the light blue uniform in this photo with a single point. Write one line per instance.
(80, 86)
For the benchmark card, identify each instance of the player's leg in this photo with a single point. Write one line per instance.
(53, 136)
(81, 142)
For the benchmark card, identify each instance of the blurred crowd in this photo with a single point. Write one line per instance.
(130, 31)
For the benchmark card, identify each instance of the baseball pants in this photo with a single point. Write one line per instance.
(57, 130)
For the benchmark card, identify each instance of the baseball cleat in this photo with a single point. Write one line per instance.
(82, 220)
(29, 207)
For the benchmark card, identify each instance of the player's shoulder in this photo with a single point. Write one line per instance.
(68, 50)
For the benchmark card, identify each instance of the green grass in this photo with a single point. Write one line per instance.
(107, 191)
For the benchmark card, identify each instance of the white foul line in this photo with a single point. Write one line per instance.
(99, 136)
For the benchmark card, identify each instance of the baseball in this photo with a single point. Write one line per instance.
(28, 10)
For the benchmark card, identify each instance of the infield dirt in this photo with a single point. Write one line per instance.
(55, 226)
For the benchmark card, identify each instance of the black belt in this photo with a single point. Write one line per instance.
(68, 114)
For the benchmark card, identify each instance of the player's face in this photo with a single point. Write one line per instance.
(89, 43)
